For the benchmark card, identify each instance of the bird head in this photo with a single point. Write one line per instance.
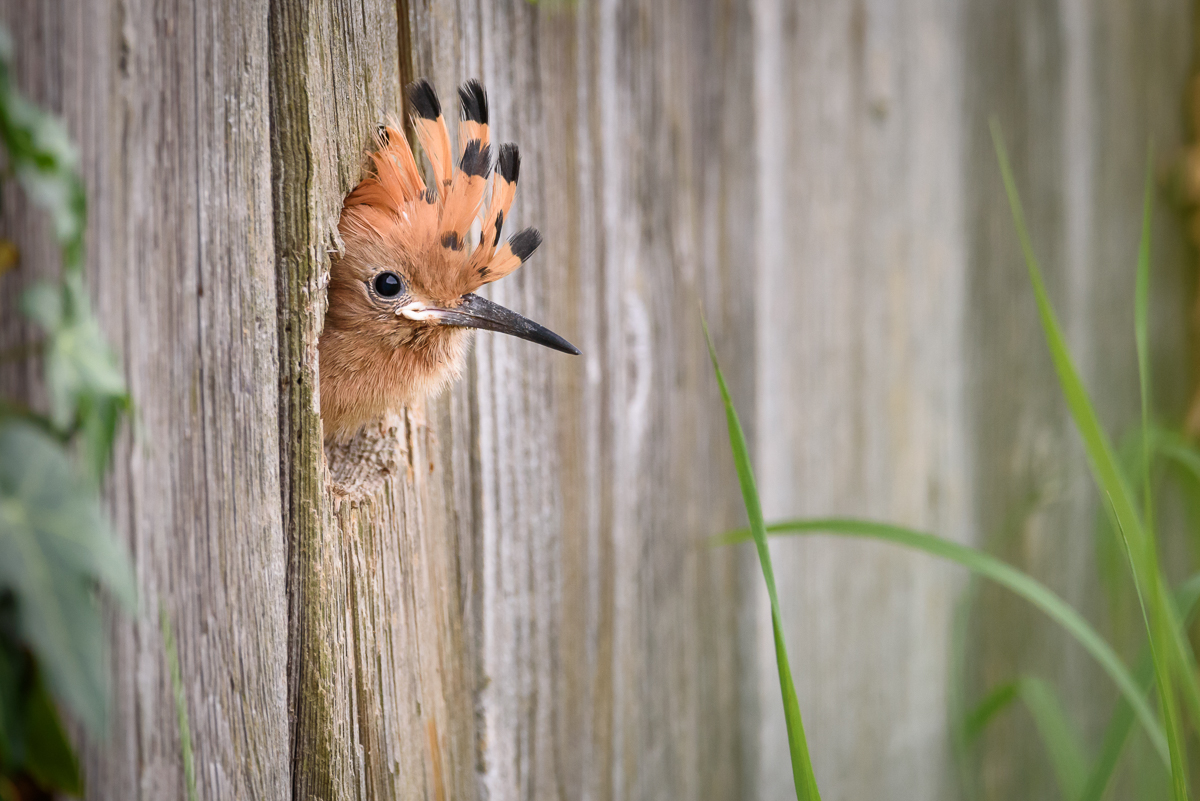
(402, 295)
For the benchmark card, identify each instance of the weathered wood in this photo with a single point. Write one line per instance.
(607, 628)
(168, 103)
(902, 370)
(860, 373)
(506, 593)
(516, 520)
(379, 664)
(1080, 103)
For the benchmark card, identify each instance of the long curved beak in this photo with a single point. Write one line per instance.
(477, 312)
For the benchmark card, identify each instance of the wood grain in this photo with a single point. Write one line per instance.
(379, 665)
(1080, 104)
(902, 370)
(167, 101)
(607, 629)
(506, 593)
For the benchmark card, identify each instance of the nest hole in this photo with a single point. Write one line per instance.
(363, 463)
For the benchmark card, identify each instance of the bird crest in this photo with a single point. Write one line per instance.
(427, 228)
(401, 295)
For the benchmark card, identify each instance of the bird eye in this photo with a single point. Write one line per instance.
(388, 285)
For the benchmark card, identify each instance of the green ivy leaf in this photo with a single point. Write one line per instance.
(10, 696)
(81, 371)
(44, 160)
(49, 758)
(55, 544)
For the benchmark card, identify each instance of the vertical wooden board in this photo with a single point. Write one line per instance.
(379, 665)
(1081, 91)
(897, 315)
(607, 628)
(168, 102)
(860, 308)
(1032, 498)
(333, 76)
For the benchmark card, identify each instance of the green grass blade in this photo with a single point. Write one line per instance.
(1183, 657)
(1162, 674)
(1062, 741)
(1101, 455)
(181, 712)
(961, 736)
(995, 702)
(1164, 620)
(1176, 448)
(1003, 574)
(1121, 723)
(1141, 312)
(802, 772)
(1160, 621)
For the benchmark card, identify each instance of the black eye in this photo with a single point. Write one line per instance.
(388, 285)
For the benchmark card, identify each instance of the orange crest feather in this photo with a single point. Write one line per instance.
(428, 228)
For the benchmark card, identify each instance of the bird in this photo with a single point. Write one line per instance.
(401, 296)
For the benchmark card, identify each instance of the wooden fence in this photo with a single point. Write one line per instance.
(515, 599)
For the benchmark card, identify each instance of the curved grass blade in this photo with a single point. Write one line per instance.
(1062, 741)
(181, 712)
(1121, 723)
(1176, 448)
(1181, 659)
(995, 702)
(1169, 653)
(802, 772)
(1000, 572)
(961, 735)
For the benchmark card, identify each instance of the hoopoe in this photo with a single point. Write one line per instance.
(401, 297)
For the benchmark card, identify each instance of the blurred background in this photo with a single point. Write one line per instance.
(517, 594)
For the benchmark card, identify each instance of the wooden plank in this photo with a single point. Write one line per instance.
(506, 593)
(1080, 103)
(607, 629)
(168, 102)
(380, 667)
(902, 371)
(860, 304)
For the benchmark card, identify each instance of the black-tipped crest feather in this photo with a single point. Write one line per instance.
(473, 100)
(424, 99)
(524, 242)
(476, 159)
(499, 227)
(510, 162)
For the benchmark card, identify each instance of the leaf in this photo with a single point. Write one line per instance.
(802, 772)
(44, 160)
(1121, 722)
(1170, 654)
(81, 372)
(1000, 572)
(1062, 741)
(49, 758)
(43, 303)
(995, 702)
(54, 545)
(181, 712)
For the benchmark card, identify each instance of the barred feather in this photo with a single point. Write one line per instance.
(427, 227)
(473, 108)
(431, 131)
(379, 352)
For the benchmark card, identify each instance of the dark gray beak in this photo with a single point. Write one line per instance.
(477, 312)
